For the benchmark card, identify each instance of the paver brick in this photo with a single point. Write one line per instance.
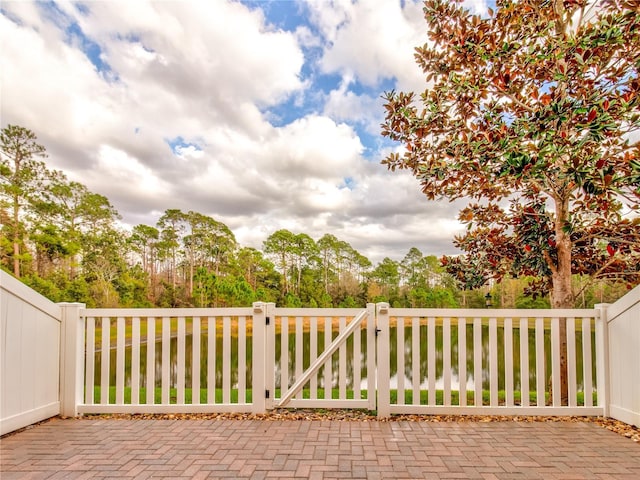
(258, 449)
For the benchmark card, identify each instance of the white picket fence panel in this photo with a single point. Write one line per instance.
(499, 361)
(228, 329)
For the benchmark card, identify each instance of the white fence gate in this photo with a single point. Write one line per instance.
(308, 379)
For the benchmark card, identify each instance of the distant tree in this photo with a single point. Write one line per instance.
(387, 276)
(22, 179)
(410, 267)
(172, 225)
(327, 246)
(258, 271)
(281, 246)
(305, 256)
(144, 243)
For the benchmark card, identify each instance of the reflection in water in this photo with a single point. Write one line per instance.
(216, 360)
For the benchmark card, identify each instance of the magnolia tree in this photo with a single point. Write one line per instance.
(531, 113)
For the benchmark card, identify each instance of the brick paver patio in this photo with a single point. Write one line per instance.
(101, 448)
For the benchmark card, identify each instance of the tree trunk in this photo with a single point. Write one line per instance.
(16, 237)
(562, 292)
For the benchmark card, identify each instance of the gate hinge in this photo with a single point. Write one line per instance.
(268, 320)
(266, 394)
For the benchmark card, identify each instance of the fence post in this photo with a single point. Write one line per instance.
(383, 360)
(258, 397)
(269, 354)
(371, 355)
(71, 358)
(602, 357)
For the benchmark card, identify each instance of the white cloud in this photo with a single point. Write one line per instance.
(371, 40)
(206, 72)
(315, 146)
(343, 104)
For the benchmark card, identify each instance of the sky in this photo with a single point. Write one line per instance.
(264, 115)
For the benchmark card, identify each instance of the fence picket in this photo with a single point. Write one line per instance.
(493, 362)
(524, 362)
(242, 360)
(462, 361)
(211, 360)
(226, 359)
(120, 327)
(284, 354)
(180, 380)
(508, 362)
(151, 360)
(431, 353)
(328, 373)
(446, 360)
(477, 362)
(587, 379)
(571, 362)
(400, 360)
(135, 361)
(299, 357)
(357, 362)
(313, 354)
(555, 362)
(540, 372)
(372, 354)
(104, 361)
(195, 360)
(166, 360)
(90, 366)
(415, 359)
(342, 362)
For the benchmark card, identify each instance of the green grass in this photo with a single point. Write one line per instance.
(408, 396)
(188, 394)
(455, 397)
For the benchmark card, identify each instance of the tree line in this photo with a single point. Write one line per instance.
(65, 242)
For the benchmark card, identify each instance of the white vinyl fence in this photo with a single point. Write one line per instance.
(623, 374)
(67, 359)
(30, 333)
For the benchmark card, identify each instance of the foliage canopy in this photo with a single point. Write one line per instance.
(533, 114)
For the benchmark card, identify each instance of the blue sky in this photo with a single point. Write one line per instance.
(261, 114)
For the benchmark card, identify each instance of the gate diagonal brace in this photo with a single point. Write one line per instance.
(315, 366)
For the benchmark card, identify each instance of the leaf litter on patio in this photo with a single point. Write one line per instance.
(353, 415)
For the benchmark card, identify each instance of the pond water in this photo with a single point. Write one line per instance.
(306, 354)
